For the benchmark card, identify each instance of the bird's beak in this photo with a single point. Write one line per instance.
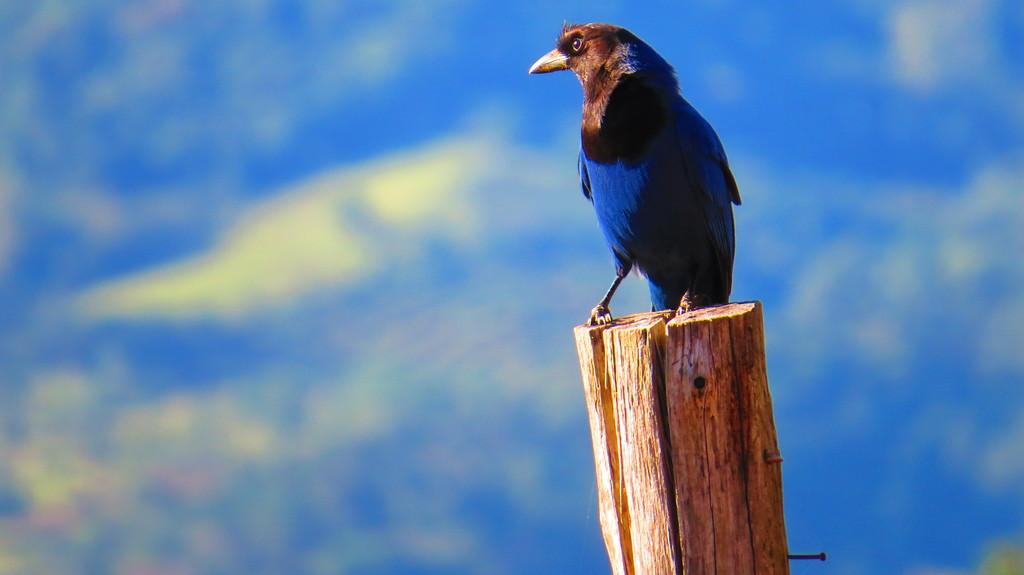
(553, 61)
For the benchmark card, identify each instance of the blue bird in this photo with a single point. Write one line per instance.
(653, 168)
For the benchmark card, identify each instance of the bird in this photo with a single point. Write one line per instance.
(653, 168)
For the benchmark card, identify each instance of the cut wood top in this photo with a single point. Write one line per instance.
(709, 313)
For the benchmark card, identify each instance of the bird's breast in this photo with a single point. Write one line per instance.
(622, 125)
(646, 208)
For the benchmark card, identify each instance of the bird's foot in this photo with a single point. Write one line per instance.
(600, 315)
(687, 303)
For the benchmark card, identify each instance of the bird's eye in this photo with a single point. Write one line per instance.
(577, 44)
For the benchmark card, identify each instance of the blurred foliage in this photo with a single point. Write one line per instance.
(1004, 560)
(335, 230)
(273, 476)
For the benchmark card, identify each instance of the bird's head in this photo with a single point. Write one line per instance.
(600, 54)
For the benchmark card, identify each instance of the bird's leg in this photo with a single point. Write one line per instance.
(601, 315)
(685, 303)
(689, 302)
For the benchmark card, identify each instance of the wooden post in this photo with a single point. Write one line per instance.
(685, 450)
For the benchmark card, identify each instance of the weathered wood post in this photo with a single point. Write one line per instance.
(685, 450)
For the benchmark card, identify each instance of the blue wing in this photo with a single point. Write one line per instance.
(581, 166)
(708, 171)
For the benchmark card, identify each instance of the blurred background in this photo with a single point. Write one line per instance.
(288, 287)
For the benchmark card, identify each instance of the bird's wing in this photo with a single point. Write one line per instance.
(584, 176)
(708, 171)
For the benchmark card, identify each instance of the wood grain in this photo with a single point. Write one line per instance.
(614, 528)
(681, 422)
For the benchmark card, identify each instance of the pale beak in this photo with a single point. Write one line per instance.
(553, 61)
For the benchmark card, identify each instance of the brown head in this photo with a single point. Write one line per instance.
(594, 52)
(627, 87)
(599, 55)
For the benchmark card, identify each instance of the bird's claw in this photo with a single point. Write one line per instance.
(600, 315)
(686, 304)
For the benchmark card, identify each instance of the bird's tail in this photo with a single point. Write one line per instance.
(666, 295)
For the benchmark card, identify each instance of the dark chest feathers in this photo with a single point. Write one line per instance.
(633, 116)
